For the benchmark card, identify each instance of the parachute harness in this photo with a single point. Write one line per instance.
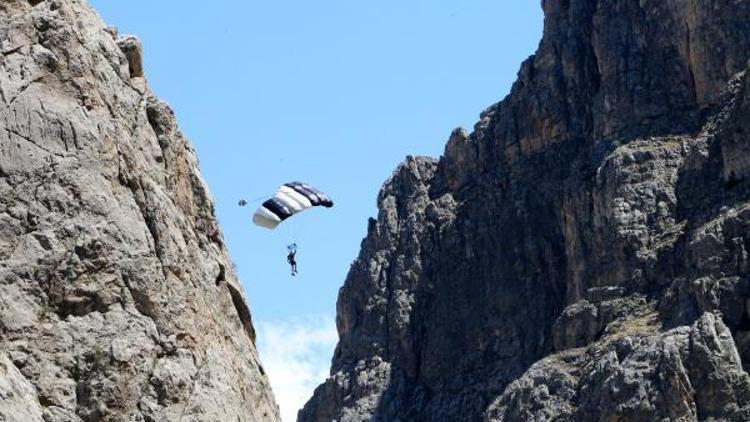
(291, 258)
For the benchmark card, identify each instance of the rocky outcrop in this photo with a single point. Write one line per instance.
(582, 254)
(688, 373)
(118, 300)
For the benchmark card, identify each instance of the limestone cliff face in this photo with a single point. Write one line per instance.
(118, 301)
(583, 254)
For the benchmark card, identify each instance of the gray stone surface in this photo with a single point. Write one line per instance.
(582, 254)
(18, 399)
(118, 300)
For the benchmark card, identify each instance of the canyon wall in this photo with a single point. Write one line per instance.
(118, 299)
(582, 253)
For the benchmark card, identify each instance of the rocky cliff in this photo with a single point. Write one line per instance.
(583, 253)
(118, 300)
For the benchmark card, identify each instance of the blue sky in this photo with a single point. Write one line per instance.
(332, 92)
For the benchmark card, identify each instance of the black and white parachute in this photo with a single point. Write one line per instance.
(290, 199)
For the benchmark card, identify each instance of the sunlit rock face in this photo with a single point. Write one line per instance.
(118, 301)
(583, 253)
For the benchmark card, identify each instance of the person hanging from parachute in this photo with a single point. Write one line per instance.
(290, 199)
(291, 258)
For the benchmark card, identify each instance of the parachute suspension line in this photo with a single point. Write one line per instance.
(294, 231)
(257, 200)
(289, 231)
(253, 202)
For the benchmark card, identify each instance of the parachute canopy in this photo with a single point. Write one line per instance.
(290, 199)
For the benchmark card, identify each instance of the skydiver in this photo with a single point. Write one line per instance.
(291, 258)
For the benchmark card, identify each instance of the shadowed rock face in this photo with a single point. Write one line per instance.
(118, 301)
(582, 255)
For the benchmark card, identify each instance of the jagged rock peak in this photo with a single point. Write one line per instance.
(118, 299)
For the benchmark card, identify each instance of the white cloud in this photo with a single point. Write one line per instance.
(296, 354)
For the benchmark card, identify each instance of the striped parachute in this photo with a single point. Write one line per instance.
(290, 199)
